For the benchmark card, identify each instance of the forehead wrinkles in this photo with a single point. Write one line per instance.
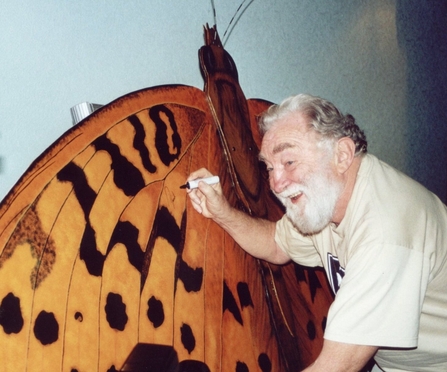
(285, 140)
(290, 132)
(278, 149)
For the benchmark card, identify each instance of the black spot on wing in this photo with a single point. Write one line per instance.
(166, 227)
(89, 253)
(10, 314)
(192, 366)
(241, 367)
(311, 330)
(127, 234)
(158, 114)
(187, 337)
(314, 283)
(312, 279)
(79, 317)
(323, 323)
(124, 233)
(116, 311)
(191, 278)
(46, 328)
(229, 303)
(126, 176)
(299, 273)
(155, 312)
(94, 260)
(264, 363)
(84, 193)
(139, 145)
(243, 292)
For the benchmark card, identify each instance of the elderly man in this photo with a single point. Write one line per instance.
(380, 236)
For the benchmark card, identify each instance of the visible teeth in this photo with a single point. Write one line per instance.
(294, 195)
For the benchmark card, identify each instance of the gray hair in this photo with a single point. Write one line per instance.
(323, 117)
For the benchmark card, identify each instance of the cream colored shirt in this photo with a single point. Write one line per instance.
(387, 264)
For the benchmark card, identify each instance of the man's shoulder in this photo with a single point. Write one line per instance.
(389, 207)
(386, 184)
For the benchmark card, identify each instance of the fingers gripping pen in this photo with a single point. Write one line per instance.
(193, 184)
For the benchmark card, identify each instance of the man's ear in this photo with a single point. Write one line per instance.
(344, 155)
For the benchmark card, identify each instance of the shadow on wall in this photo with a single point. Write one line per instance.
(422, 34)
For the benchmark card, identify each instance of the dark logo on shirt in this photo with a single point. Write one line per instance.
(336, 272)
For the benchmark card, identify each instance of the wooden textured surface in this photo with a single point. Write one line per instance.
(101, 250)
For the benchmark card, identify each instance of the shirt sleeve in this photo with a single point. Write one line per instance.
(299, 248)
(380, 298)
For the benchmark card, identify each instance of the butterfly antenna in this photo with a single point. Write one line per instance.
(236, 17)
(214, 12)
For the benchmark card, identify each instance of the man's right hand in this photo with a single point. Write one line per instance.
(208, 200)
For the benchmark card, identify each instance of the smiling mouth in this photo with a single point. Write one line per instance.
(294, 198)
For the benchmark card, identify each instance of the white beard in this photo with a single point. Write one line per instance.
(316, 206)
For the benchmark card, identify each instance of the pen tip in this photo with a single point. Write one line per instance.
(183, 186)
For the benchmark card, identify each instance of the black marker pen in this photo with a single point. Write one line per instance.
(195, 183)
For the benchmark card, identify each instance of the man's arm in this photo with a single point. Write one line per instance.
(256, 236)
(341, 357)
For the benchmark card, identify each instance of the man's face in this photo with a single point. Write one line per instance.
(301, 173)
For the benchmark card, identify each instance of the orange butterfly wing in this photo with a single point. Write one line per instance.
(100, 250)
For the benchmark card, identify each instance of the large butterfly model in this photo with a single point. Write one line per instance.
(100, 250)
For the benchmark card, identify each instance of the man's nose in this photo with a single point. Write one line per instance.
(278, 181)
